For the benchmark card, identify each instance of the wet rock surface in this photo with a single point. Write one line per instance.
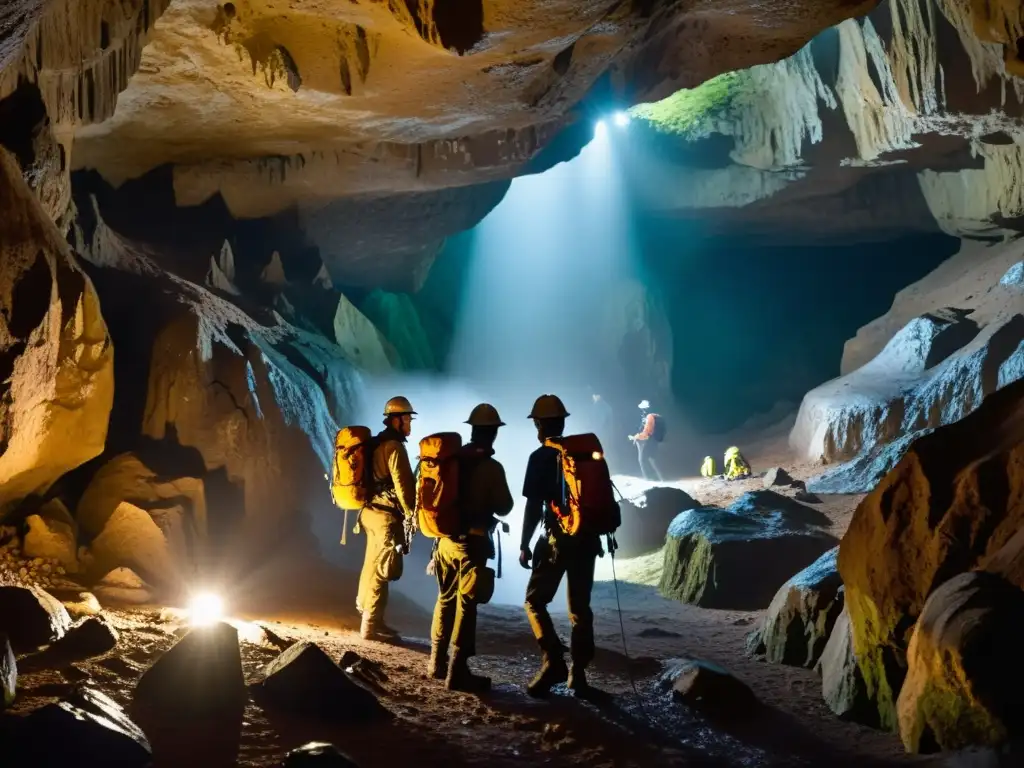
(31, 617)
(318, 755)
(801, 616)
(709, 688)
(646, 519)
(739, 557)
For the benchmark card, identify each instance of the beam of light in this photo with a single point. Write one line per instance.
(205, 609)
(621, 119)
(600, 129)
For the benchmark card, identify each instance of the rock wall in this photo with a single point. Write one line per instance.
(56, 357)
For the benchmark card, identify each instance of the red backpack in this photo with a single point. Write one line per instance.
(437, 487)
(588, 503)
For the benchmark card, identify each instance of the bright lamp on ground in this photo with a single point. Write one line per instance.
(205, 609)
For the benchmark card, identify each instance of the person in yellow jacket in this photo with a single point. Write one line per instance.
(736, 467)
(460, 562)
(382, 520)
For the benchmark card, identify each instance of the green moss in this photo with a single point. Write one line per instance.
(691, 111)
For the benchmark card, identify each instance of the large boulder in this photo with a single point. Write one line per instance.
(964, 667)
(647, 516)
(91, 636)
(842, 685)
(800, 617)
(862, 473)
(210, 660)
(949, 506)
(122, 586)
(708, 687)
(132, 539)
(51, 535)
(737, 558)
(31, 617)
(304, 679)
(85, 723)
(56, 358)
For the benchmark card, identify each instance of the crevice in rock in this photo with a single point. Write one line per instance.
(452, 24)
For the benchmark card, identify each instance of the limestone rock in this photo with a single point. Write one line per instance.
(86, 723)
(131, 539)
(842, 684)
(210, 659)
(800, 618)
(8, 672)
(708, 687)
(122, 586)
(777, 476)
(360, 341)
(964, 667)
(31, 617)
(950, 505)
(646, 518)
(51, 537)
(304, 679)
(92, 636)
(863, 473)
(81, 605)
(55, 354)
(318, 754)
(737, 558)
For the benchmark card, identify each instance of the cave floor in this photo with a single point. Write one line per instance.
(435, 727)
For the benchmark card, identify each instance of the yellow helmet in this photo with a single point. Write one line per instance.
(732, 452)
(398, 406)
(485, 415)
(548, 407)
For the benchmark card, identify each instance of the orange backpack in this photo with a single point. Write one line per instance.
(437, 487)
(588, 504)
(353, 467)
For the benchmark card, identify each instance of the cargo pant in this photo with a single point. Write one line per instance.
(458, 565)
(384, 532)
(554, 558)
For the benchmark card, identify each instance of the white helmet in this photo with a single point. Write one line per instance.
(644, 405)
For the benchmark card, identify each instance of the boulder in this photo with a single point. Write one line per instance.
(950, 505)
(777, 476)
(92, 636)
(31, 617)
(86, 723)
(303, 679)
(646, 518)
(126, 478)
(210, 659)
(50, 535)
(737, 558)
(863, 473)
(56, 359)
(131, 539)
(122, 586)
(708, 687)
(964, 667)
(8, 672)
(800, 617)
(842, 685)
(318, 754)
(81, 605)
(361, 343)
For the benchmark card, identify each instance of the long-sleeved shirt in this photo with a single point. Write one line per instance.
(648, 428)
(486, 491)
(393, 474)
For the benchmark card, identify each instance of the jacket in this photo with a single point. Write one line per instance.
(486, 492)
(392, 473)
(648, 429)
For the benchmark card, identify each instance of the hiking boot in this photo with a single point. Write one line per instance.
(552, 672)
(577, 682)
(379, 631)
(460, 678)
(437, 666)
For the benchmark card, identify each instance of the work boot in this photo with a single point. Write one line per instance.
(437, 667)
(379, 631)
(552, 672)
(460, 678)
(577, 682)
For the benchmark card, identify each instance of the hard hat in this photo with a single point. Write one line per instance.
(485, 415)
(733, 451)
(548, 407)
(644, 404)
(398, 406)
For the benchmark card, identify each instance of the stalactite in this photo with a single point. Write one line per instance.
(987, 59)
(914, 53)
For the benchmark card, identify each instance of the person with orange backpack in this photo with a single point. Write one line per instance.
(461, 524)
(372, 474)
(568, 488)
(648, 440)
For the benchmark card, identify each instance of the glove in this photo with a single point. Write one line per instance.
(525, 555)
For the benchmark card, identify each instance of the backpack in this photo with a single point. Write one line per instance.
(352, 480)
(658, 435)
(437, 485)
(708, 468)
(588, 502)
